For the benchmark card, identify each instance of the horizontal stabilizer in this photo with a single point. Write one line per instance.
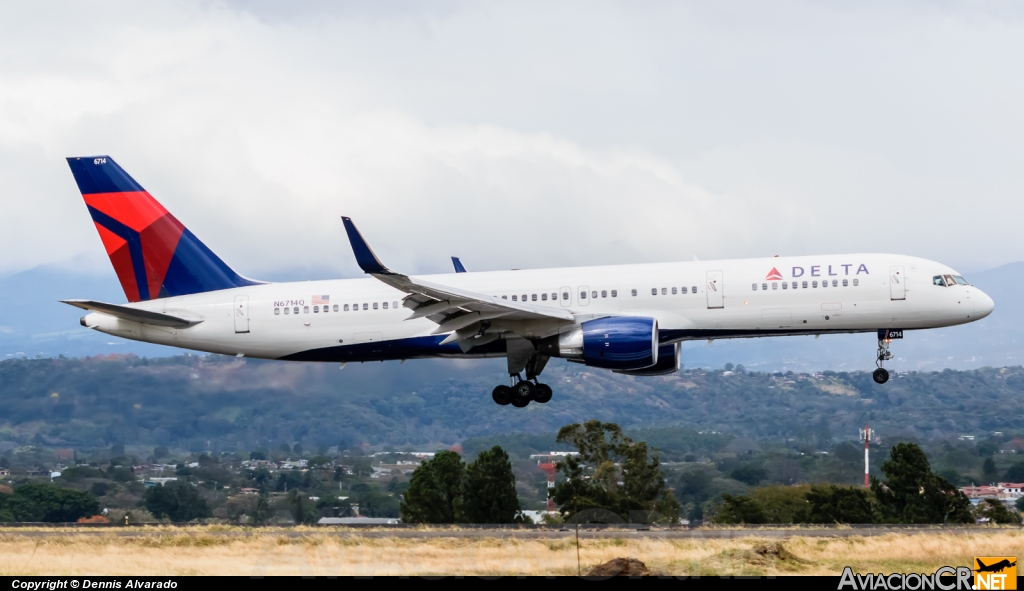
(133, 314)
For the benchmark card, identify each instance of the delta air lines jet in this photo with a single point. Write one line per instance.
(628, 319)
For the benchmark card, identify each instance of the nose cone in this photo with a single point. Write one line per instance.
(983, 305)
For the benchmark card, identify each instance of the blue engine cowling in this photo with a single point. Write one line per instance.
(622, 343)
(669, 361)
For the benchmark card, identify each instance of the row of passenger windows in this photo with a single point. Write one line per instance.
(326, 309)
(595, 294)
(804, 284)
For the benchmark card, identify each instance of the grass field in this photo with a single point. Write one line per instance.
(266, 553)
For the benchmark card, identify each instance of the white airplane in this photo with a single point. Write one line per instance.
(628, 319)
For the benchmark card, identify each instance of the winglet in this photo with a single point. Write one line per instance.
(368, 261)
(459, 267)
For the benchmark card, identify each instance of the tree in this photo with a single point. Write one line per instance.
(161, 451)
(839, 504)
(178, 501)
(47, 502)
(913, 494)
(1020, 504)
(749, 474)
(740, 509)
(1015, 473)
(996, 512)
(434, 490)
(489, 489)
(611, 473)
(988, 471)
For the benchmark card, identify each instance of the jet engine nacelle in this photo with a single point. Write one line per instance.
(669, 361)
(618, 343)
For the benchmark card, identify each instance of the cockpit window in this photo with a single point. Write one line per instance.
(949, 279)
(960, 280)
(937, 280)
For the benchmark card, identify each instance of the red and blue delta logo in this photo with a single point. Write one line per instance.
(774, 275)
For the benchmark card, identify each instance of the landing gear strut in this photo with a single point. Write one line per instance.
(881, 375)
(522, 355)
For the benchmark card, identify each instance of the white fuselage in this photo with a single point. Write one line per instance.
(365, 319)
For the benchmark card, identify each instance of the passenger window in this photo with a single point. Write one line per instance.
(286, 310)
(593, 294)
(514, 299)
(856, 282)
(524, 297)
(683, 289)
(664, 291)
(365, 306)
(845, 282)
(565, 295)
(634, 293)
(295, 310)
(835, 283)
(277, 311)
(394, 305)
(785, 285)
(753, 286)
(375, 305)
(793, 285)
(316, 309)
(544, 297)
(346, 307)
(385, 305)
(824, 283)
(937, 280)
(504, 297)
(814, 284)
(654, 291)
(775, 285)
(583, 295)
(764, 287)
(604, 293)
(533, 297)
(693, 289)
(615, 293)
(673, 291)
(336, 307)
(804, 285)
(305, 309)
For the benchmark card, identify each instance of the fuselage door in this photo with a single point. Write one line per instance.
(242, 314)
(715, 290)
(897, 283)
(584, 295)
(565, 296)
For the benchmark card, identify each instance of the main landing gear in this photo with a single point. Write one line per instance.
(522, 393)
(523, 356)
(881, 375)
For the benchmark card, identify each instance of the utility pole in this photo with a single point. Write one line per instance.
(866, 434)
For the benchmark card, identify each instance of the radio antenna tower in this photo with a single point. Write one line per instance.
(866, 434)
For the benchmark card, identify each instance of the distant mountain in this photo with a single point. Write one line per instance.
(34, 323)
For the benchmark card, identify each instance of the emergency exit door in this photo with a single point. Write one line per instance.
(897, 283)
(715, 290)
(242, 314)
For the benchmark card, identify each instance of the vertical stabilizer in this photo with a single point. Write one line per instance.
(153, 254)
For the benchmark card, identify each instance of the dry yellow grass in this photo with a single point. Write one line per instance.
(268, 553)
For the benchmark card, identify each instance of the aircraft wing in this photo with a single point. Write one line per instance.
(453, 309)
(133, 314)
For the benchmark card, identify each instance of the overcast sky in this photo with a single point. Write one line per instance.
(519, 134)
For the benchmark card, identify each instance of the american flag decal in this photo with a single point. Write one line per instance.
(321, 299)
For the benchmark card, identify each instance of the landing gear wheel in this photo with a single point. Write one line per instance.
(522, 394)
(880, 375)
(542, 393)
(502, 395)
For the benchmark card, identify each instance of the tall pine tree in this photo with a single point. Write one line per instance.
(489, 489)
(434, 490)
(913, 494)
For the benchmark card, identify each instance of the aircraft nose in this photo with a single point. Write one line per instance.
(983, 305)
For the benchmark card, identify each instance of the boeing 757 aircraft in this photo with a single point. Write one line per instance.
(629, 319)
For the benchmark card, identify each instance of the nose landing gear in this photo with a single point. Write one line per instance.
(881, 375)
